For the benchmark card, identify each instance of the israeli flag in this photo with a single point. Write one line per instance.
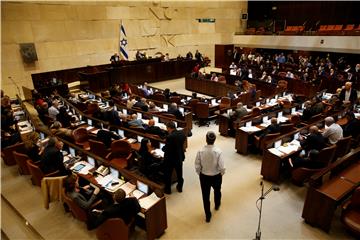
(123, 43)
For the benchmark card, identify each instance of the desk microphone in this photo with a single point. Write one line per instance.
(276, 188)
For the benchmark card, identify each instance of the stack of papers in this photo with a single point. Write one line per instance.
(128, 187)
(265, 124)
(250, 129)
(138, 194)
(89, 128)
(114, 187)
(157, 153)
(282, 119)
(148, 201)
(104, 181)
(131, 140)
(275, 152)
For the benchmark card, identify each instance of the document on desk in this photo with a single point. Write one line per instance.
(250, 129)
(114, 184)
(131, 140)
(148, 201)
(265, 124)
(128, 187)
(138, 194)
(282, 119)
(276, 152)
(89, 128)
(158, 153)
(95, 130)
(104, 181)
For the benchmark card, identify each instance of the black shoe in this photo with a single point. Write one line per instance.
(217, 207)
(208, 217)
(179, 189)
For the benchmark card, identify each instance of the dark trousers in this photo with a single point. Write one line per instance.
(206, 183)
(168, 173)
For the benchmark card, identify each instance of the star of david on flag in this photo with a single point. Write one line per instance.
(123, 43)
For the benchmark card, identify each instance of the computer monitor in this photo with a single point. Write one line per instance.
(265, 119)
(121, 133)
(257, 104)
(114, 172)
(102, 125)
(89, 122)
(229, 111)
(161, 145)
(42, 136)
(73, 111)
(277, 144)
(72, 151)
(182, 110)
(166, 107)
(139, 138)
(280, 114)
(80, 117)
(176, 124)
(139, 115)
(248, 124)
(91, 161)
(156, 119)
(125, 95)
(107, 103)
(293, 110)
(142, 187)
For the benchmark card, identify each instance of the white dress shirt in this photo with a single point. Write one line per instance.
(347, 95)
(209, 161)
(53, 111)
(334, 133)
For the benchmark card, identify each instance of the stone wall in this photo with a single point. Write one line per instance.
(75, 34)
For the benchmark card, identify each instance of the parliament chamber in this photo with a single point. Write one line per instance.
(93, 93)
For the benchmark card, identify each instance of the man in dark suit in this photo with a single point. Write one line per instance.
(152, 129)
(124, 208)
(348, 94)
(52, 158)
(352, 128)
(173, 157)
(173, 109)
(106, 136)
(274, 127)
(111, 115)
(141, 103)
(314, 141)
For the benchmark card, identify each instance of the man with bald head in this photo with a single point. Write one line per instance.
(348, 94)
(333, 132)
(315, 140)
(152, 129)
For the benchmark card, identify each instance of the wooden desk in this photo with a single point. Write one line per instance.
(321, 203)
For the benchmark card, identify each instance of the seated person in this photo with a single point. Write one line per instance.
(173, 109)
(73, 98)
(214, 77)
(42, 110)
(307, 111)
(52, 158)
(318, 106)
(315, 140)
(114, 90)
(146, 156)
(73, 190)
(153, 107)
(124, 208)
(333, 132)
(348, 95)
(152, 129)
(64, 117)
(274, 127)
(106, 136)
(57, 129)
(130, 102)
(135, 122)
(9, 137)
(126, 89)
(31, 147)
(167, 94)
(310, 161)
(352, 128)
(239, 112)
(141, 103)
(111, 115)
(115, 58)
(146, 90)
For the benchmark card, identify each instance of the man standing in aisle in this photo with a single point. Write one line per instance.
(174, 157)
(209, 164)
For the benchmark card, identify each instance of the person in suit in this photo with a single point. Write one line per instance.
(106, 136)
(239, 112)
(52, 158)
(124, 207)
(274, 127)
(73, 190)
(348, 94)
(310, 161)
(135, 122)
(209, 165)
(173, 109)
(111, 115)
(58, 130)
(307, 112)
(115, 58)
(152, 129)
(314, 141)
(174, 157)
(141, 103)
(352, 128)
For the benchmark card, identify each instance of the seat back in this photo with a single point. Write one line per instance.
(80, 135)
(295, 119)
(92, 107)
(121, 148)
(301, 175)
(342, 147)
(327, 155)
(159, 96)
(255, 112)
(202, 110)
(74, 208)
(21, 162)
(36, 173)
(286, 128)
(113, 229)
(192, 104)
(7, 153)
(98, 148)
(225, 102)
(175, 99)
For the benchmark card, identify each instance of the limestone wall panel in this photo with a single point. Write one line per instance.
(174, 27)
(10, 53)
(54, 12)
(118, 12)
(79, 30)
(16, 32)
(88, 12)
(206, 27)
(49, 31)
(20, 11)
(149, 27)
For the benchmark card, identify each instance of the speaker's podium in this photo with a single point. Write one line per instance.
(223, 55)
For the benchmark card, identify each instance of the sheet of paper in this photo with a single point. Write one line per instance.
(250, 129)
(128, 187)
(148, 201)
(275, 152)
(138, 194)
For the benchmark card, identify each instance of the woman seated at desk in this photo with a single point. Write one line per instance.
(147, 163)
